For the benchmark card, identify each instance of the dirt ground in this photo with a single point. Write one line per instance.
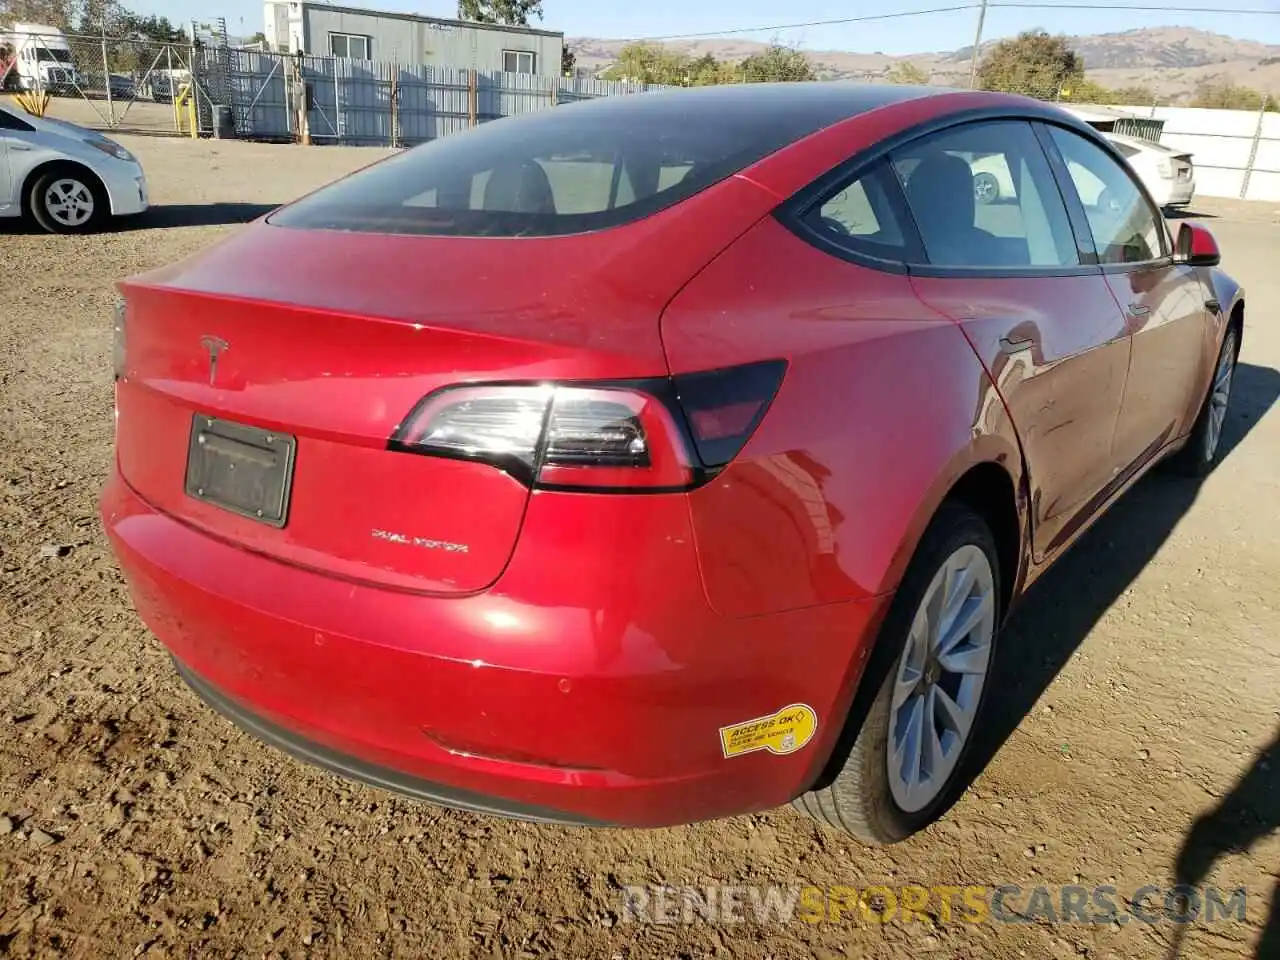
(1139, 687)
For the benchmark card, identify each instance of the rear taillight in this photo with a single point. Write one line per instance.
(658, 434)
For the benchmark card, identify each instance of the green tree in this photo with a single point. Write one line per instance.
(53, 13)
(707, 71)
(1230, 96)
(1135, 95)
(1032, 63)
(132, 26)
(777, 63)
(568, 61)
(650, 63)
(904, 71)
(1087, 91)
(98, 16)
(514, 12)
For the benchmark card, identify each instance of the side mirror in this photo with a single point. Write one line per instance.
(1196, 247)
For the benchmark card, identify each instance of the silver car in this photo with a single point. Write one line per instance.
(66, 178)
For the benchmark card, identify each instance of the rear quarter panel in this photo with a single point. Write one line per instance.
(883, 408)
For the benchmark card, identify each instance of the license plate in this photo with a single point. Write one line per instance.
(240, 468)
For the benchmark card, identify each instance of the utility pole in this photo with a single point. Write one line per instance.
(106, 76)
(977, 42)
(1253, 150)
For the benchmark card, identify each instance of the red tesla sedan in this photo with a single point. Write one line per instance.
(657, 458)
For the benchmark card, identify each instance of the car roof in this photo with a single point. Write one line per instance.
(814, 105)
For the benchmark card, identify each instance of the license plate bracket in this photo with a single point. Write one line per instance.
(243, 469)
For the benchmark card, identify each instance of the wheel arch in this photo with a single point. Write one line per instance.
(991, 492)
(1235, 321)
(990, 477)
(994, 491)
(60, 163)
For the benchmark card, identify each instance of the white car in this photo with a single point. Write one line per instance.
(1168, 174)
(67, 178)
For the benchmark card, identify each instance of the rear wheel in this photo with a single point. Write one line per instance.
(67, 199)
(986, 188)
(1201, 452)
(934, 655)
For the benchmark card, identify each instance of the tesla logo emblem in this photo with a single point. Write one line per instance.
(216, 347)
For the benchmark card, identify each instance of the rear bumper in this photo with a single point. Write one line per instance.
(354, 768)
(588, 685)
(1178, 193)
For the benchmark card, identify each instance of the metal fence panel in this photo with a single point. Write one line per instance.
(511, 94)
(259, 93)
(431, 102)
(363, 101)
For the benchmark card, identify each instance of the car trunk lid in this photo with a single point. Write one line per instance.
(292, 356)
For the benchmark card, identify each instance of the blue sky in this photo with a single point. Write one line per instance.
(941, 31)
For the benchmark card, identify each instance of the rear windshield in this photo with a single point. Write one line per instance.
(571, 168)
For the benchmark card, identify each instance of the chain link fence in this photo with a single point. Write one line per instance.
(151, 87)
(139, 86)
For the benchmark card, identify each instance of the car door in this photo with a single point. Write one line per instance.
(1164, 303)
(7, 198)
(1038, 312)
(15, 148)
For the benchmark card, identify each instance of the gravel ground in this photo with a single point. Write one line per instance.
(135, 822)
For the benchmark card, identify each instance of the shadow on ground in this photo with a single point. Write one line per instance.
(1246, 815)
(1188, 214)
(1064, 606)
(195, 215)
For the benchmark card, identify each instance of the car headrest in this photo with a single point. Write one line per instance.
(519, 186)
(940, 190)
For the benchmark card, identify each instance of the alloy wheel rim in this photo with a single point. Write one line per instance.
(1220, 394)
(983, 189)
(69, 201)
(940, 678)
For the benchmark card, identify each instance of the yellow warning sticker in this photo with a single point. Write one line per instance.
(780, 733)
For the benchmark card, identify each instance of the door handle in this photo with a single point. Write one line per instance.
(19, 146)
(1013, 344)
(1139, 310)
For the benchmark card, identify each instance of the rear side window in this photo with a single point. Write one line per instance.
(566, 170)
(864, 216)
(983, 195)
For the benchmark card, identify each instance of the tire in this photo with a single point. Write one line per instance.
(857, 792)
(86, 207)
(986, 188)
(1200, 454)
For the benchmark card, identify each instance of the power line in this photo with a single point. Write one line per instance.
(1126, 6)
(811, 23)
(1006, 4)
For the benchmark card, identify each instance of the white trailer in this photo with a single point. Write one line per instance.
(41, 59)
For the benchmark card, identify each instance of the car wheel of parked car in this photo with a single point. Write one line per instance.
(928, 680)
(65, 199)
(986, 188)
(1201, 452)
